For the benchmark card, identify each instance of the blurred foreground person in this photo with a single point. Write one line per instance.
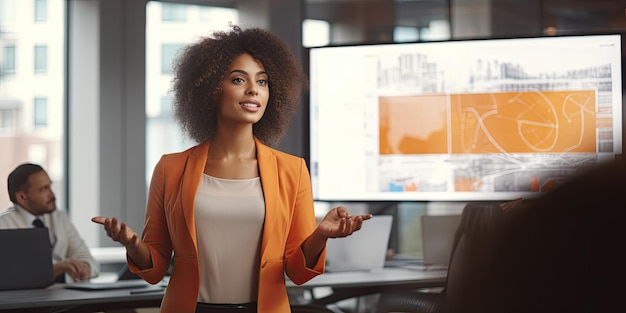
(562, 251)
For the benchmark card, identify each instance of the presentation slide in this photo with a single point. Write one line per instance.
(462, 120)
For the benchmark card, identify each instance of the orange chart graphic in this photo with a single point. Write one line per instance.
(507, 122)
(413, 124)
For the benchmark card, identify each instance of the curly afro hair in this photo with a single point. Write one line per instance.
(202, 66)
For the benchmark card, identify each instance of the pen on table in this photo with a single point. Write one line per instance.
(137, 291)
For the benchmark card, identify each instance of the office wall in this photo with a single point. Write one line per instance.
(106, 72)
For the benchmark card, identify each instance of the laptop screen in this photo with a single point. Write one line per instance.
(365, 249)
(27, 259)
(438, 233)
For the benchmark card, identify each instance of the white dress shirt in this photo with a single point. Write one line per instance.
(67, 242)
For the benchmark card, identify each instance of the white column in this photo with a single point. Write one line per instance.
(106, 116)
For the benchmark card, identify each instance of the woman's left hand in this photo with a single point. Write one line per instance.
(339, 223)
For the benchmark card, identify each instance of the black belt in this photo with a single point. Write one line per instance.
(249, 307)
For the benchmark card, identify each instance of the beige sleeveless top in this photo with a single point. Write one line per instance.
(229, 218)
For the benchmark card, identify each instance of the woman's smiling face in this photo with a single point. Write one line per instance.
(245, 91)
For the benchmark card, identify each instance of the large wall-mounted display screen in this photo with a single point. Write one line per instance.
(461, 120)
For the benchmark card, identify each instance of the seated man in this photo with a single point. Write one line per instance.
(35, 206)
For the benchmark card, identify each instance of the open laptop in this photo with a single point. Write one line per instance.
(26, 261)
(125, 280)
(438, 233)
(364, 250)
(120, 284)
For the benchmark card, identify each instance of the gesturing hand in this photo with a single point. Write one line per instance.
(118, 231)
(338, 223)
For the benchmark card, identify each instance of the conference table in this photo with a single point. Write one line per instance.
(349, 284)
(57, 298)
(344, 285)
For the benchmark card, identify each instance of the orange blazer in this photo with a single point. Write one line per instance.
(169, 226)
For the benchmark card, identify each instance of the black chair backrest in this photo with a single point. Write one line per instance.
(472, 255)
(471, 258)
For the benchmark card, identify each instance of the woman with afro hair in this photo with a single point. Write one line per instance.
(235, 214)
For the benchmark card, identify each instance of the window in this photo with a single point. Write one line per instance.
(166, 105)
(406, 34)
(40, 112)
(8, 9)
(173, 12)
(162, 132)
(8, 120)
(436, 30)
(8, 60)
(41, 11)
(168, 53)
(315, 33)
(41, 59)
(32, 103)
(218, 16)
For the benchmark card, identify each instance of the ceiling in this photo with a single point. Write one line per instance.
(532, 17)
(565, 15)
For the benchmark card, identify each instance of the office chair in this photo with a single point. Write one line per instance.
(470, 257)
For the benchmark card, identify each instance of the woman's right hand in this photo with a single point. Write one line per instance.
(118, 231)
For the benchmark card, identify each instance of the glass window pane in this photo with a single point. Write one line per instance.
(32, 105)
(40, 112)
(163, 40)
(7, 120)
(173, 12)
(8, 60)
(168, 53)
(218, 16)
(41, 59)
(315, 33)
(406, 34)
(7, 12)
(436, 30)
(41, 10)
(166, 105)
